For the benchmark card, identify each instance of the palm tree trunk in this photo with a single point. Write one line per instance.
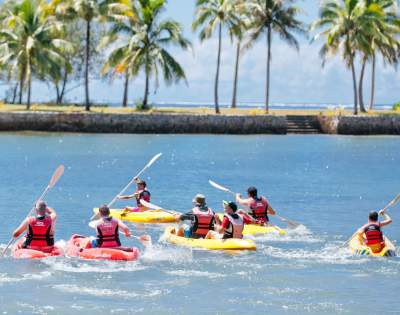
(360, 86)
(235, 81)
(217, 111)
(146, 89)
(57, 93)
(15, 90)
(371, 100)
(87, 99)
(126, 85)
(269, 39)
(353, 72)
(21, 85)
(28, 103)
(64, 85)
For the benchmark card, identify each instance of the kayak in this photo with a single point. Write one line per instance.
(80, 246)
(148, 216)
(213, 244)
(255, 229)
(358, 248)
(26, 253)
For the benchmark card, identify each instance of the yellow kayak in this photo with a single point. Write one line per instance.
(149, 216)
(213, 244)
(358, 248)
(254, 229)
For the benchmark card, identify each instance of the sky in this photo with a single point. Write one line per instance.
(296, 76)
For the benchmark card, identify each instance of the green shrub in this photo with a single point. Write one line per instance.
(141, 107)
(396, 107)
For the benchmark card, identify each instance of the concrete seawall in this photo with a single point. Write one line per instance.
(360, 125)
(142, 123)
(184, 123)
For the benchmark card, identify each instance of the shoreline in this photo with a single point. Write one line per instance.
(181, 122)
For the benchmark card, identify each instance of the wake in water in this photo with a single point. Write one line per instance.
(299, 234)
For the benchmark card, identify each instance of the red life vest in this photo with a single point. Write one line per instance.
(40, 235)
(259, 207)
(236, 226)
(107, 233)
(205, 220)
(373, 234)
(142, 194)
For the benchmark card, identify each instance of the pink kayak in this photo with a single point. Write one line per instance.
(26, 253)
(80, 246)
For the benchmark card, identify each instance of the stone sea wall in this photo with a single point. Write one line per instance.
(182, 123)
(141, 123)
(361, 125)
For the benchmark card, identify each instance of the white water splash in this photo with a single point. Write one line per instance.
(95, 291)
(195, 273)
(177, 255)
(329, 254)
(80, 266)
(5, 278)
(300, 234)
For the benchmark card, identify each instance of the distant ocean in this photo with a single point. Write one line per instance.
(287, 106)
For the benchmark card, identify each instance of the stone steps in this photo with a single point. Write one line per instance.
(302, 124)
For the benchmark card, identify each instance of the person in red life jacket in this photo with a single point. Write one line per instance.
(202, 219)
(259, 206)
(39, 228)
(107, 229)
(232, 224)
(141, 193)
(371, 233)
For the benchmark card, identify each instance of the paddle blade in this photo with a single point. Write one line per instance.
(56, 176)
(155, 158)
(215, 185)
(92, 224)
(149, 205)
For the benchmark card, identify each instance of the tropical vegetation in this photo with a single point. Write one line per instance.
(66, 43)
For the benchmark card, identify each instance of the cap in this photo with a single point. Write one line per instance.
(200, 199)
(230, 204)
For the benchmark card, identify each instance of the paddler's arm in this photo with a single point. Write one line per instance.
(247, 216)
(270, 210)
(224, 225)
(52, 213)
(243, 202)
(21, 228)
(124, 228)
(125, 197)
(185, 216)
(387, 220)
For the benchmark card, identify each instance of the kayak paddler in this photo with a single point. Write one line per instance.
(259, 206)
(39, 228)
(107, 229)
(141, 193)
(201, 219)
(232, 224)
(371, 233)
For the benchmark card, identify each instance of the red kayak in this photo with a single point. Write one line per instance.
(25, 253)
(80, 246)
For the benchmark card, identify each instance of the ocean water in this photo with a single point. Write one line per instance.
(328, 183)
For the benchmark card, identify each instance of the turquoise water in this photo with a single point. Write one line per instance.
(327, 183)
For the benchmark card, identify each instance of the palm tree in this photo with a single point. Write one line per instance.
(211, 14)
(341, 23)
(123, 19)
(146, 45)
(382, 39)
(30, 43)
(273, 16)
(238, 31)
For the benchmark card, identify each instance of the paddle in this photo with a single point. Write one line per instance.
(56, 175)
(144, 239)
(155, 158)
(155, 207)
(290, 223)
(390, 204)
